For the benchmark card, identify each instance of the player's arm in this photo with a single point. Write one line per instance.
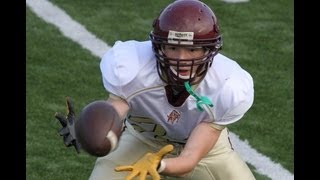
(200, 142)
(119, 104)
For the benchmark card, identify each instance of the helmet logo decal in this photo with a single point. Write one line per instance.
(173, 116)
(175, 37)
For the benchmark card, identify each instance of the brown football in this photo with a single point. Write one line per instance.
(98, 128)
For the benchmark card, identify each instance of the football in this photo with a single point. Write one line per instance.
(98, 128)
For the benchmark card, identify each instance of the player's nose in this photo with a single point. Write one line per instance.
(183, 54)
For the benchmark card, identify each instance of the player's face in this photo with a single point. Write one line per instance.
(182, 59)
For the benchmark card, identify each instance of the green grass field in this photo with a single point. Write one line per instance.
(258, 34)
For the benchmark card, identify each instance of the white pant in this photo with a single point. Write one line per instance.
(221, 163)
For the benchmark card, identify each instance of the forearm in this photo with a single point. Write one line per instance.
(200, 142)
(119, 104)
(179, 166)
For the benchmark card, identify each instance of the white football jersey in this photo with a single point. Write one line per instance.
(129, 71)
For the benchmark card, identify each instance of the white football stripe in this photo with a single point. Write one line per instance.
(75, 31)
(113, 140)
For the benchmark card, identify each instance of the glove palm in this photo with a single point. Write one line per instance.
(148, 164)
(67, 130)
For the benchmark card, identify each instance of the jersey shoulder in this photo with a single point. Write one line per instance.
(236, 90)
(224, 66)
(123, 62)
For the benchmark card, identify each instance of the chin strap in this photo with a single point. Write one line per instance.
(200, 100)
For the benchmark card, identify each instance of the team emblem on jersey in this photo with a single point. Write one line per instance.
(173, 116)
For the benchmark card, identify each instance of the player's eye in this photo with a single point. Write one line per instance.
(195, 49)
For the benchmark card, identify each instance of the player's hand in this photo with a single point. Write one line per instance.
(148, 164)
(67, 122)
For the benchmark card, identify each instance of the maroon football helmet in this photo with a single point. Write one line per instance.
(185, 23)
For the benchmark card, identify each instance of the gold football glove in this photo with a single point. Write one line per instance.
(148, 164)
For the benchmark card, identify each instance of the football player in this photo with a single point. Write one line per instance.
(176, 95)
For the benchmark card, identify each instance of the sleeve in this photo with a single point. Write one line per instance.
(234, 99)
(119, 66)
